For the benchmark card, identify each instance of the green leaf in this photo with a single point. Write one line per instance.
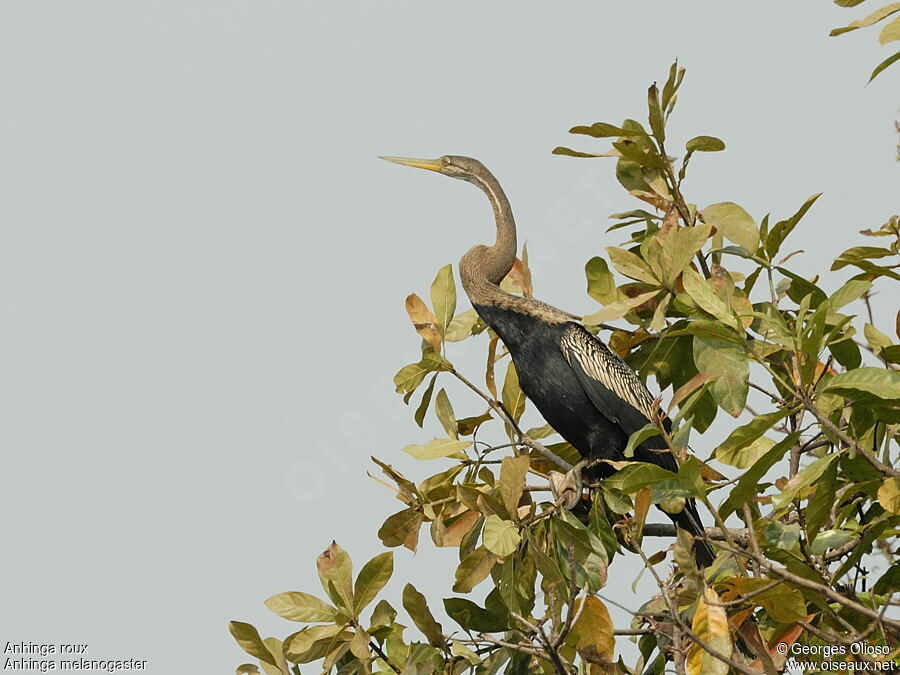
(857, 253)
(804, 478)
(731, 365)
(472, 617)
(336, 574)
(676, 75)
(619, 309)
(600, 283)
(741, 438)
(881, 67)
(703, 295)
(461, 326)
(782, 536)
(568, 152)
(634, 152)
(705, 144)
(873, 18)
(632, 476)
(831, 539)
(877, 381)
(630, 265)
(783, 603)
(679, 247)
(410, 377)
(419, 415)
(417, 607)
(315, 642)
(296, 606)
(877, 340)
(820, 504)
(734, 223)
(745, 456)
(512, 395)
(748, 484)
(541, 432)
(444, 411)
(400, 528)
(604, 130)
(639, 436)
(501, 537)
(512, 481)
(783, 228)
(371, 579)
(847, 293)
(443, 296)
(436, 448)
(657, 123)
(473, 569)
(249, 640)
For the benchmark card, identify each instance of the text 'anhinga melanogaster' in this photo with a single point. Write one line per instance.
(589, 395)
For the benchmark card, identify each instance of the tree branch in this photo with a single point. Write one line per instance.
(520, 435)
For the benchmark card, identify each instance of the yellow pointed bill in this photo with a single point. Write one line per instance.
(430, 164)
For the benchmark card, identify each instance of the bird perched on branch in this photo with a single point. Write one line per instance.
(585, 392)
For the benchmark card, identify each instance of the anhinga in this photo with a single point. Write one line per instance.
(585, 392)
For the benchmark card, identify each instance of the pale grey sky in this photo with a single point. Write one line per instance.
(203, 264)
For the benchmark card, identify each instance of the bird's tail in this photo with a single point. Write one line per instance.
(688, 519)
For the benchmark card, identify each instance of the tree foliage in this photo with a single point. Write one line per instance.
(889, 20)
(802, 490)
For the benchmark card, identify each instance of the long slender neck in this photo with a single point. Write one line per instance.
(482, 268)
(488, 265)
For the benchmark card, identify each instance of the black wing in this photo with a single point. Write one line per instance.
(620, 396)
(611, 385)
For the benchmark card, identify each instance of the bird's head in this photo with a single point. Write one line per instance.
(455, 166)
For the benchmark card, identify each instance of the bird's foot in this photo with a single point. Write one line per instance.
(567, 487)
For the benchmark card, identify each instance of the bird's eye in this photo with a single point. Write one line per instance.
(445, 161)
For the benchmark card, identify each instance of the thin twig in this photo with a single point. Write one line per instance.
(383, 656)
(520, 435)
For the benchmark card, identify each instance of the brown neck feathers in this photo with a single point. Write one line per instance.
(482, 268)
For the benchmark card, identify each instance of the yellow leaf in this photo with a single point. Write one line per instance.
(513, 398)
(461, 326)
(889, 495)
(592, 634)
(710, 625)
(436, 448)
(891, 32)
(619, 309)
(512, 481)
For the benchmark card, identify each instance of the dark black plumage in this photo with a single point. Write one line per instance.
(590, 416)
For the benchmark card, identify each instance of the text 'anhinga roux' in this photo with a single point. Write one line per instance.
(585, 392)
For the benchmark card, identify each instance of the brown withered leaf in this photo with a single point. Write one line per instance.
(670, 220)
(518, 279)
(689, 388)
(458, 527)
(424, 320)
